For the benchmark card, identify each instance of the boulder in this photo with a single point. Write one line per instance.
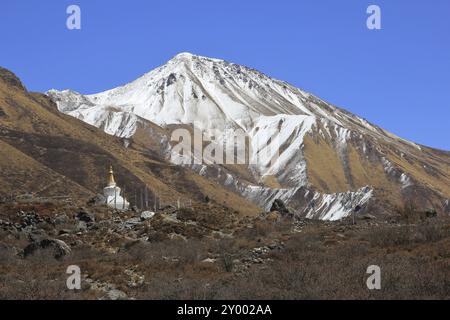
(147, 215)
(131, 223)
(29, 219)
(85, 216)
(279, 206)
(64, 231)
(61, 219)
(59, 248)
(115, 294)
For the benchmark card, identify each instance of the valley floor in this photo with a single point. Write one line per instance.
(209, 252)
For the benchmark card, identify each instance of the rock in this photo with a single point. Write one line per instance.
(60, 248)
(136, 279)
(279, 206)
(97, 200)
(116, 294)
(209, 260)
(29, 219)
(131, 223)
(177, 237)
(8, 226)
(147, 215)
(64, 231)
(431, 213)
(85, 216)
(36, 235)
(61, 219)
(81, 226)
(367, 217)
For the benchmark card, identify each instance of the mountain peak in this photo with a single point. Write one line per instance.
(11, 79)
(188, 56)
(182, 55)
(219, 98)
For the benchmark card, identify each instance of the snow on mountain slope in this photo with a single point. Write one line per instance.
(210, 94)
(214, 96)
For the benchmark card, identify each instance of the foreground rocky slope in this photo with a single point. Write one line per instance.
(331, 162)
(209, 252)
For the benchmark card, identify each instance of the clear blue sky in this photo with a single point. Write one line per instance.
(398, 77)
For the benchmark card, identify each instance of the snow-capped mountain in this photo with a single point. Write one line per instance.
(330, 161)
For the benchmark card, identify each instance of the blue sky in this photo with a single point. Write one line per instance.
(397, 77)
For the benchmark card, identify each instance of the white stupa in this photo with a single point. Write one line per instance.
(112, 194)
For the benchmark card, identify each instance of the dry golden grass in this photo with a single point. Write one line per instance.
(324, 167)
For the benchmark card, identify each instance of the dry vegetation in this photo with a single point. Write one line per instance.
(228, 258)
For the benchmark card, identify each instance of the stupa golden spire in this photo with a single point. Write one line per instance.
(111, 181)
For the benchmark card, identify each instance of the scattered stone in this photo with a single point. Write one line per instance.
(112, 293)
(8, 226)
(29, 219)
(130, 223)
(136, 279)
(116, 294)
(147, 215)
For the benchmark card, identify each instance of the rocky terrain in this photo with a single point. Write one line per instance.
(210, 252)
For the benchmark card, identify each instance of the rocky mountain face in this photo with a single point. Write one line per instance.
(330, 162)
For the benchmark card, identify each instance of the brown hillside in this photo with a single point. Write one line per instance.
(50, 154)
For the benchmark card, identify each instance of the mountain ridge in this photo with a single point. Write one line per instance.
(324, 148)
(47, 153)
(329, 156)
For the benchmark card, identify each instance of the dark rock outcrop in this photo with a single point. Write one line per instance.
(85, 216)
(279, 206)
(59, 248)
